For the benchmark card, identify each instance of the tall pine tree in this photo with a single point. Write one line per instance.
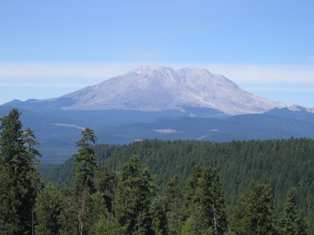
(48, 209)
(173, 204)
(68, 216)
(19, 175)
(85, 161)
(84, 185)
(206, 204)
(254, 212)
(134, 195)
(106, 183)
(291, 222)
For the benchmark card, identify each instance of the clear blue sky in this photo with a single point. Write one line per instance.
(50, 48)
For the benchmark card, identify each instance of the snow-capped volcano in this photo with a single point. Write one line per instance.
(149, 88)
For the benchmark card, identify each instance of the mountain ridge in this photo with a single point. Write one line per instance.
(158, 88)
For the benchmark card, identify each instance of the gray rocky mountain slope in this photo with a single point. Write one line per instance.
(149, 88)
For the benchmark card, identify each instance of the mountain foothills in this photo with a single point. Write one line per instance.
(159, 102)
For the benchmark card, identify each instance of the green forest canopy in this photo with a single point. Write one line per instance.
(282, 164)
(156, 187)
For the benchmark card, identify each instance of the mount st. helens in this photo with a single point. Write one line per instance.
(161, 88)
(162, 103)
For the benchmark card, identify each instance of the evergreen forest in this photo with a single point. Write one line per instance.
(156, 187)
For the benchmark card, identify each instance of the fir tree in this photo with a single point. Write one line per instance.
(48, 209)
(190, 197)
(106, 183)
(134, 195)
(99, 220)
(254, 212)
(19, 176)
(85, 161)
(173, 201)
(292, 223)
(211, 202)
(84, 185)
(68, 216)
(158, 216)
(206, 203)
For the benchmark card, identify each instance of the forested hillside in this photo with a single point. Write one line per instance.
(156, 187)
(282, 164)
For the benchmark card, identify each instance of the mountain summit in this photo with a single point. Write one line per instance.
(148, 88)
